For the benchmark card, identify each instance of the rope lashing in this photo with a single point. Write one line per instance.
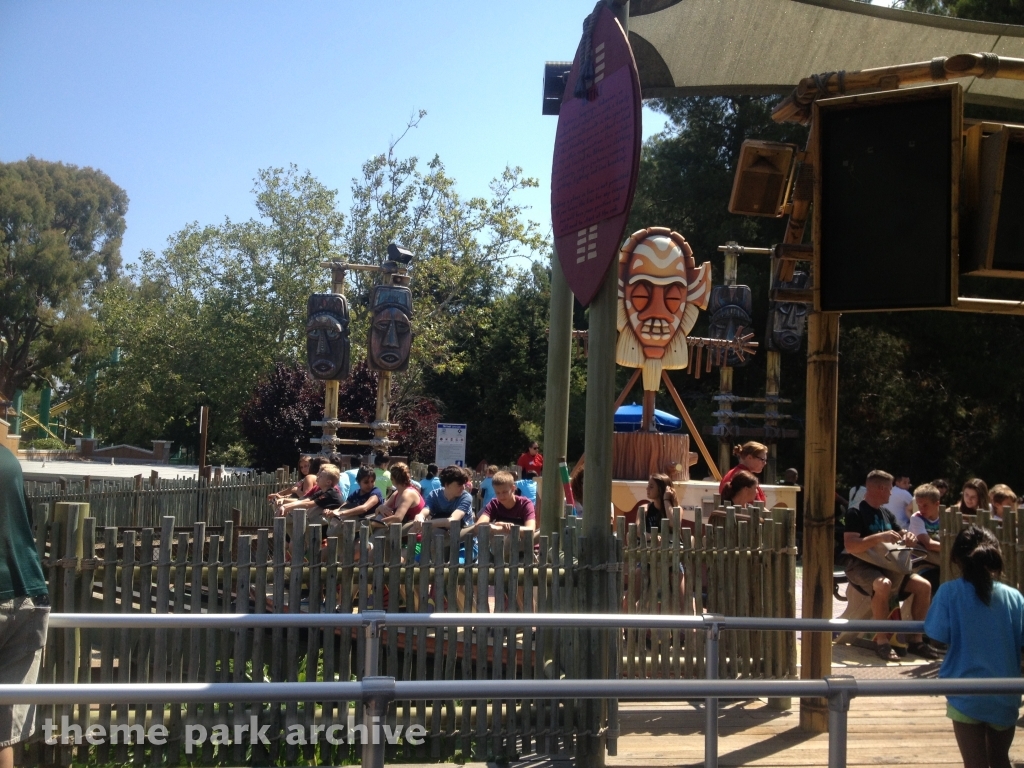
(585, 82)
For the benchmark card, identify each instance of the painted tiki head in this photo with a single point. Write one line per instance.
(661, 291)
(730, 308)
(327, 344)
(787, 321)
(390, 328)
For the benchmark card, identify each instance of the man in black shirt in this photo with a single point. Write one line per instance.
(870, 525)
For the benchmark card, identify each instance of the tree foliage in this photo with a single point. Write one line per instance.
(61, 229)
(276, 420)
(998, 11)
(201, 322)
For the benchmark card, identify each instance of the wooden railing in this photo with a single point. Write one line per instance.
(738, 567)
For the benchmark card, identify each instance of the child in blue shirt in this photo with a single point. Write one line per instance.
(982, 621)
(528, 486)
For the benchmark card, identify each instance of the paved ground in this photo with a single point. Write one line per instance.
(35, 469)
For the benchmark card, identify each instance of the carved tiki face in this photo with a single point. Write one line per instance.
(661, 291)
(390, 328)
(327, 345)
(730, 308)
(788, 321)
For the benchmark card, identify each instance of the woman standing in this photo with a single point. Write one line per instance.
(753, 456)
(982, 621)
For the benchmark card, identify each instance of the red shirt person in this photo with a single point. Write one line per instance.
(753, 456)
(531, 461)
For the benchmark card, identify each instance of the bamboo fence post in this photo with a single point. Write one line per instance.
(819, 505)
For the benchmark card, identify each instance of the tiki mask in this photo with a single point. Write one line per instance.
(390, 328)
(786, 320)
(661, 291)
(327, 348)
(730, 310)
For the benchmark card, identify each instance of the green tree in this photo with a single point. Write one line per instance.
(998, 11)
(200, 323)
(61, 227)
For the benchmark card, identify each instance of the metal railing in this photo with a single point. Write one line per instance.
(377, 692)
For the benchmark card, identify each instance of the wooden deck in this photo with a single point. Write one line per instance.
(912, 731)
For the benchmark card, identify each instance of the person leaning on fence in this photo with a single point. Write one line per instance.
(925, 526)
(406, 501)
(870, 525)
(24, 606)
(449, 502)
(506, 510)
(1001, 496)
(302, 487)
(321, 503)
(982, 621)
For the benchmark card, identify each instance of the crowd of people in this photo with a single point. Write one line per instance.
(386, 493)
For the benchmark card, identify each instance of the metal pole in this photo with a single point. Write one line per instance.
(711, 703)
(378, 692)
(841, 690)
(372, 653)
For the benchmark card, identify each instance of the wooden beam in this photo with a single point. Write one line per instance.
(625, 391)
(690, 425)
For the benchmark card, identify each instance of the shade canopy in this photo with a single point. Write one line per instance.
(628, 418)
(728, 47)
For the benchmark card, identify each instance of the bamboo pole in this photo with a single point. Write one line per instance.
(819, 505)
(796, 108)
(556, 401)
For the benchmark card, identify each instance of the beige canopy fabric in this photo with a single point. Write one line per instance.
(726, 47)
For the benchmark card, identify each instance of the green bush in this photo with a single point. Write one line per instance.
(47, 444)
(235, 455)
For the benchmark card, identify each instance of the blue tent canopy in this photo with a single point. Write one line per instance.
(628, 418)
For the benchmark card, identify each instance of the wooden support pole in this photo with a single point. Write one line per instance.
(773, 381)
(626, 390)
(690, 425)
(597, 499)
(556, 401)
(819, 506)
(647, 419)
(725, 371)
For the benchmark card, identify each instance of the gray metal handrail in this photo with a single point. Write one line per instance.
(376, 691)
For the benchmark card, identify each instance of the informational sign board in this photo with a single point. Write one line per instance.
(450, 447)
(596, 159)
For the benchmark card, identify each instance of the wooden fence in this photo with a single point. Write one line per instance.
(1009, 531)
(144, 502)
(738, 567)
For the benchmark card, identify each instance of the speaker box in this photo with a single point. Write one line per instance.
(886, 201)
(994, 174)
(762, 178)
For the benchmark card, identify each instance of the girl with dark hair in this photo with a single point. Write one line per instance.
(982, 621)
(973, 497)
(661, 497)
(741, 490)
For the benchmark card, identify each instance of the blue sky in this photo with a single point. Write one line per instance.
(181, 103)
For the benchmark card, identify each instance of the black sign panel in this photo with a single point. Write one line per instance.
(887, 200)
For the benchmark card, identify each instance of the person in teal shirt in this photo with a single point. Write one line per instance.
(528, 486)
(430, 483)
(487, 487)
(24, 605)
(982, 621)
